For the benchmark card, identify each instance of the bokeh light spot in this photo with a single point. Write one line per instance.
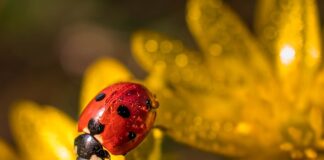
(181, 60)
(287, 54)
(151, 46)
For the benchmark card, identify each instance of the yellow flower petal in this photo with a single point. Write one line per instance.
(150, 48)
(150, 148)
(168, 60)
(186, 101)
(290, 31)
(117, 157)
(42, 132)
(215, 122)
(6, 152)
(317, 93)
(232, 54)
(316, 121)
(99, 75)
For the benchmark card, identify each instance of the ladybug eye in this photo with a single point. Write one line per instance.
(131, 135)
(123, 111)
(100, 96)
(102, 153)
(148, 104)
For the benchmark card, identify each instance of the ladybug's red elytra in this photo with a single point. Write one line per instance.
(117, 119)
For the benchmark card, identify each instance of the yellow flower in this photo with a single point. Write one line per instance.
(240, 96)
(6, 152)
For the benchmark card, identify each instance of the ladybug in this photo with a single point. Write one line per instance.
(115, 121)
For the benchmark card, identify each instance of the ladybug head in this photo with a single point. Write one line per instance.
(87, 147)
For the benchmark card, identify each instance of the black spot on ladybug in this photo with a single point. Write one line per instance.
(148, 104)
(100, 96)
(131, 92)
(131, 135)
(123, 111)
(95, 127)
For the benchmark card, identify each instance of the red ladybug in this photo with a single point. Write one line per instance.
(117, 119)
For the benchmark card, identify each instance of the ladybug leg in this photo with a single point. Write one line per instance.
(95, 127)
(87, 147)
